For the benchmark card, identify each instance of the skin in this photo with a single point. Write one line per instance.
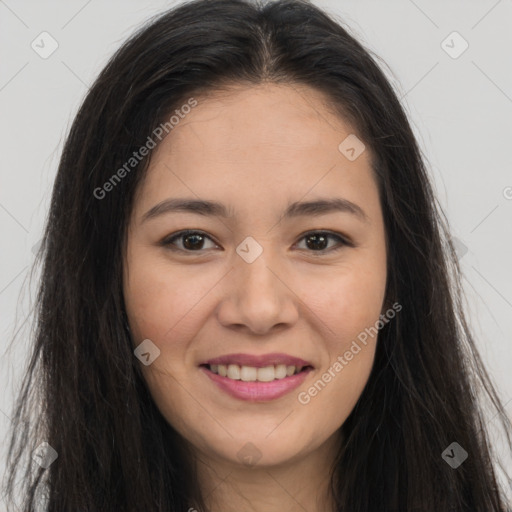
(256, 150)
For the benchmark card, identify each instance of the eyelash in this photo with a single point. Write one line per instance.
(168, 241)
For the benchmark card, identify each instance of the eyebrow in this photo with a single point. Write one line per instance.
(215, 209)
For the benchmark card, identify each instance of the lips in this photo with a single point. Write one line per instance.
(258, 361)
(256, 391)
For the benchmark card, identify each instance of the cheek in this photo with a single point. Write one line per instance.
(350, 308)
(349, 305)
(147, 307)
(349, 300)
(160, 302)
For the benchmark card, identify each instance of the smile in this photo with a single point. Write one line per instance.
(256, 384)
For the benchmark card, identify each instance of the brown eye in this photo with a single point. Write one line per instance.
(192, 241)
(318, 241)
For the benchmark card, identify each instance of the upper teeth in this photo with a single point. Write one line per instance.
(250, 373)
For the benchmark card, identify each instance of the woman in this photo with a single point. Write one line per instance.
(270, 370)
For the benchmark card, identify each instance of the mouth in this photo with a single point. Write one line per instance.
(257, 378)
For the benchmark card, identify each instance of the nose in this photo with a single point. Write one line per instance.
(259, 298)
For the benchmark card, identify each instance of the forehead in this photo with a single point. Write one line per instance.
(277, 118)
(264, 142)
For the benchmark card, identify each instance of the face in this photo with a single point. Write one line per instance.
(268, 288)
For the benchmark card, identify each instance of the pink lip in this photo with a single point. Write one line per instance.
(257, 391)
(258, 361)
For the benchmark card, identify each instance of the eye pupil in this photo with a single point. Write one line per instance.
(191, 246)
(316, 238)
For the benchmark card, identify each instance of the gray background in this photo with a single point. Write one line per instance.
(460, 108)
